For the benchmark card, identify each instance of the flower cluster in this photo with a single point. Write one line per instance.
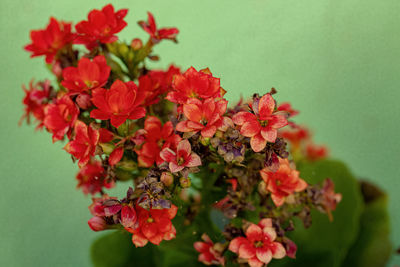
(166, 131)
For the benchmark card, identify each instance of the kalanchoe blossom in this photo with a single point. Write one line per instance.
(121, 102)
(87, 76)
(195, 84)
(259, 245)
(35, 101)
(203, 116)
(287, 107)
(60, 117)
(316, 152)
(296, 136)
(158, 34)
(208, 254)
(83, 146)
(156, 83)
(282, 183)
(101, 26)
(183, 157)
(154, 225)
(261, 125)
(50, 41)
(91, 178)
(329, 198)
(154, 137)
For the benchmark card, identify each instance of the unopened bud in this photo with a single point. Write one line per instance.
(128, 217)
(185, 182)
(136, 44)
(83, 101)
(167, 178)
(97, 224)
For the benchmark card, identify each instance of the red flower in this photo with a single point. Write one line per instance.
(49, 41)
(119, 103)
(156, 83)
(315, 152)
(261, 126)
(204, 116)
(35, 101)
(91, 178)
(208, 255)
(98, 209)
(101, 26)
(156, 138)
(296, 137)
(286, 106)
(283, 182)
(183, 157)
(258, 247)
(195, 84)
(60, 117)
(83, 147)
(87, 76)
(154, 225)
(158, 34)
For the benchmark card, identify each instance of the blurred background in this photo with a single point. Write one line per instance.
(337, 61)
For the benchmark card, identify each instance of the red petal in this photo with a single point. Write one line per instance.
(266, 106)
(194, 161)
(235, 244)
(192, 112)
(250, 128)
(269, 134)
(264, 255)
(258, 143)
(242, 117)
(116, 156)
(247, 251)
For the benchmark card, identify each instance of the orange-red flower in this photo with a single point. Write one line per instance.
(259, 246)
(60, 117)
(261, 125)
(158, 34)
(195, 84)
(208, 255)
(121, 102)
(296, 137)
(156, 83)
(91, 178)
(155, 138)
(87, 76)
(204, 116)
(316, 152)
(183, 157)
(329, 198)
(35, 101)
(282, 183)
(83, 146)
(101, 26)
(154, 225)
(49, 41)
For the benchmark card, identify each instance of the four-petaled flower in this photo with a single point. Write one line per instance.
(259, 245)
(183, 157)
(87, 76)
(60, 117)
(262, 125)
(204, 116)
(208, 255)
(156, 137)
(154, 225)
(158, 34)
(83, 146)
(101, 26)
(195, 84)
(282, 183)
(91, 178)
(49, 41)
(121, 102)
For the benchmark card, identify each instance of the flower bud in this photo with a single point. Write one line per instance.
(136, 44)
(166, 178)
(107, 148)
(97, 224)
(128, 217)
(185, 182)
(83, 101)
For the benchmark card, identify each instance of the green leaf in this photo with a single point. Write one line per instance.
(116, 250)
(326, 243)
(373, 247)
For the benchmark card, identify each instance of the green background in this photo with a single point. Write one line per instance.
(337, 61)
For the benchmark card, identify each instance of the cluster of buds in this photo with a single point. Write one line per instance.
(161, 130)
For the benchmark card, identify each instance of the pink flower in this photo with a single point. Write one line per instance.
(183, 157)
(158, 34)
(91, 178)
(204, 116)
(258, 247)
(282, 183)
(83, 147)
(262, 125)
(208, 255)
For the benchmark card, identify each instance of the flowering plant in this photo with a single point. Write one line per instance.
(209, 182)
